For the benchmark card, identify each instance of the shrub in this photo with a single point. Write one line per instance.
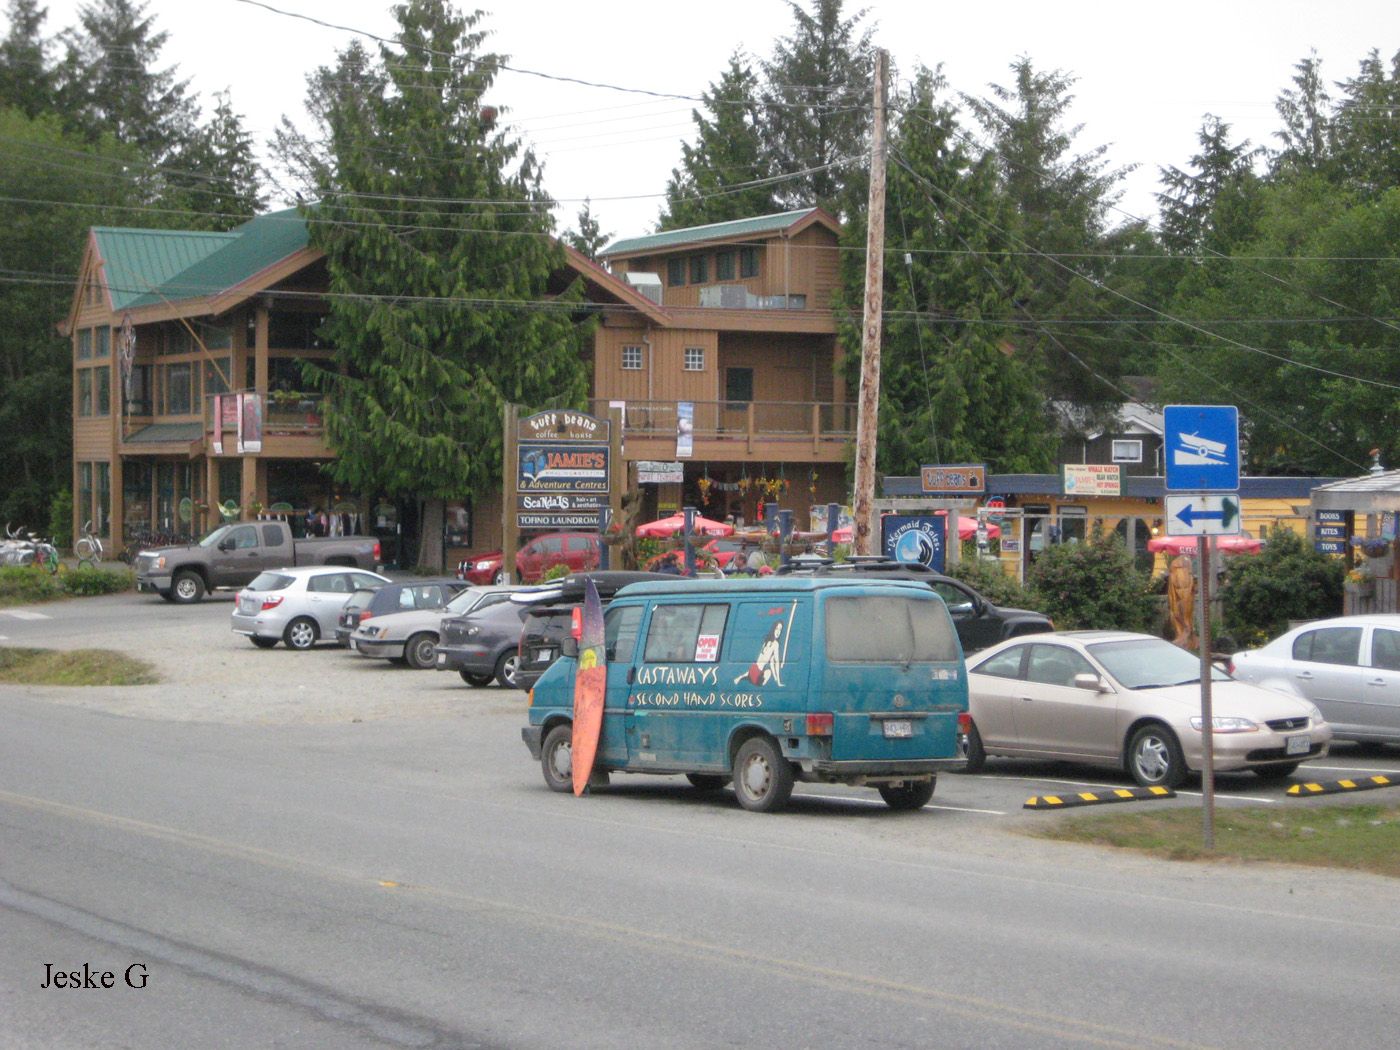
(557, 571)
(1093, 585)
(987, 578)
(21, 585)
(1288, 580)
(61, 519)
(85, 582)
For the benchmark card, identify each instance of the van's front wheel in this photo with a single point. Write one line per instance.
(557, 759)
(912, 794)
(763, 778)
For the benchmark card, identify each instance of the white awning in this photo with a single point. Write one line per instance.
(1370, 494)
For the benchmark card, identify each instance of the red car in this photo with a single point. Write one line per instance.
(578, 550)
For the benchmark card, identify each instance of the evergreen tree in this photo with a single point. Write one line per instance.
(816, 106)
(1307, 133)
(955, 386)
(589, 237)
(1060, 199)
(1367, 131)
(729, 151)
(215, 174)
(441, 313)
(27, 80)
(1194, 205)
(108, 83)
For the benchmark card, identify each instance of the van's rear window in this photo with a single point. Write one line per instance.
(870, 630)
(270, 581)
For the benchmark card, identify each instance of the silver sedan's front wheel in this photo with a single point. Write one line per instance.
(1154, 757)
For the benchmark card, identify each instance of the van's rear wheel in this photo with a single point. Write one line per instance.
(763, 778)
(557, 759)
(912, 794)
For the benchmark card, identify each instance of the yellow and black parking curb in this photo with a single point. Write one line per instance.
(1097, 798)
(1332, 787)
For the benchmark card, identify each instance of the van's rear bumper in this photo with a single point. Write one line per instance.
(920, 767)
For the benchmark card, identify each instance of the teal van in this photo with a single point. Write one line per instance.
(768, 681)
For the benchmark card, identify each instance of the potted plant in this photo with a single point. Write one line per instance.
(1359, 582)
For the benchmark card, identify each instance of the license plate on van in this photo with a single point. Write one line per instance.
(1297, 745)
(898, 727)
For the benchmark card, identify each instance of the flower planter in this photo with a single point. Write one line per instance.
(1360, 588)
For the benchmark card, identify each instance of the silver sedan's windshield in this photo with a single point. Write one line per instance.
(1151, 663)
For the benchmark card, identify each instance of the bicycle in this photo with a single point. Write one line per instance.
(88, 548)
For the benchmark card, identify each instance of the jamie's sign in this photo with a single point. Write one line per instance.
(561, 467)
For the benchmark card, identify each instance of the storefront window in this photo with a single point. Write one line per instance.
(83, 504)
(136, 496)
(179, 399)
(138, 391)
(214, 373)
(85, 392)
(103, 510)
(165, 496)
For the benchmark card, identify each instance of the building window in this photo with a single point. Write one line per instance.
(179, 398)
(84, 506)
(103, 510)
(631, 358)
(675, 272)
(724, 266)
(102, 381)
(84, 343)
(1127, 451)
(85, 392)
(138, 391)
(214, 373)
(176, 340)
(699, 269)
(695, 359)
(102, 342)
(748, 262)
(738, 387)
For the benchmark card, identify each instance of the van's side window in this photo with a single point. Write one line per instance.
(620, 632)
(675, 633)
(884, 630)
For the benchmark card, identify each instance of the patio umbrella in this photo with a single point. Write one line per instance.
(675, 524)
(1223, 544)
(967, 529)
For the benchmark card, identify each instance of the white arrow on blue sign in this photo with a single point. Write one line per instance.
(1202, 446)
(1203, 515)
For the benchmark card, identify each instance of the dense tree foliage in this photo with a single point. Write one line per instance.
(1093, 586)
(1287, 581)
(440, 314)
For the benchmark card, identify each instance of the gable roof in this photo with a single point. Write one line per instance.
(786, 221)
(149, 267)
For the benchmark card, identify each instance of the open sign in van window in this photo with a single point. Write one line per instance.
(675, 631)
(888, 630)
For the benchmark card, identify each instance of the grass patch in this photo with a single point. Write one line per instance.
(1355, 837)
(73, 667)
(28, 585)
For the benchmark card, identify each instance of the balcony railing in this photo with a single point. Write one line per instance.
(283, 413)
(817, 422)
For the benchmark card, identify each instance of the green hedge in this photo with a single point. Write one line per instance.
(24, 585)
(1093, 585)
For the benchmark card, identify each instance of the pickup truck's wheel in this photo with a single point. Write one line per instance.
(506, 667)
(912, 794)
(557, 758)
(187, 587)
(421, 651)
(762, 776)
(263, 643)
(301, 633)
(476, 681)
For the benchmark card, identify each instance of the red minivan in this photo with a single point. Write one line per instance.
(577, 550)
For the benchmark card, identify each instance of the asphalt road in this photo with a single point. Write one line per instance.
(317, 850)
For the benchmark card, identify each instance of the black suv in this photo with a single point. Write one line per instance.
(979, 623)
(550, 621)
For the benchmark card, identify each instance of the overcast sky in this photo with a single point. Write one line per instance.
(1147, 73)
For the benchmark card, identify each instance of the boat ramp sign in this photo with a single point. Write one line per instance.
(1202, 448)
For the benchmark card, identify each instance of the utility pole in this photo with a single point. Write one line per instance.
(868, 418)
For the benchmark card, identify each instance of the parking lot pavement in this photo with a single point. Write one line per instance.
(210, 674)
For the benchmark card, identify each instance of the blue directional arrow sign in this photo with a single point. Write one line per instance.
(1202, 448)
(1203, 514)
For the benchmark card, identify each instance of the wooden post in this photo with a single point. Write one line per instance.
(867, 420)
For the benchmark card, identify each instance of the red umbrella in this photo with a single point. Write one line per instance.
(967, 529)
(1223, 544)
(675, 524)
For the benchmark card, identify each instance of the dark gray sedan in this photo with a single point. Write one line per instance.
(483, 645)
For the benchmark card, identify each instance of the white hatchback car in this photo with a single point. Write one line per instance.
(1132, 701)
(297, 606)
(1348, 666)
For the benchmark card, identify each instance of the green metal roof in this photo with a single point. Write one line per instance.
(145, 267)
(712, 231)
(163, 433)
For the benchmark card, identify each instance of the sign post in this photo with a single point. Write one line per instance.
(1203, 457)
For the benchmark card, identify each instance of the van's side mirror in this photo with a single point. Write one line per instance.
(568, 647)
(1089, 681)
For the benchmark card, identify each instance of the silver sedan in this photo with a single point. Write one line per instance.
(297, 606)
(412, 636)
(1131, 701)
